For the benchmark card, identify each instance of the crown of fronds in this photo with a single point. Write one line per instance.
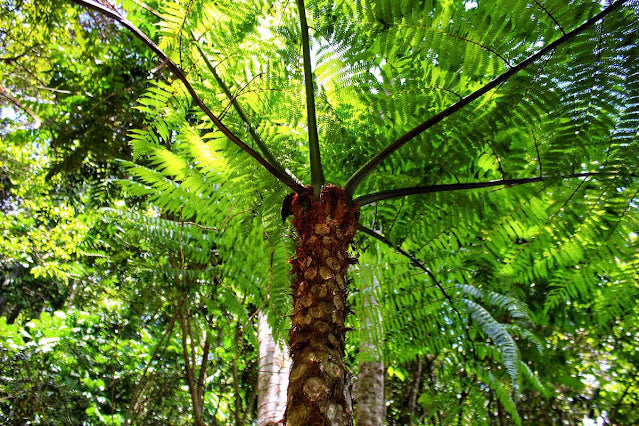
(383, 67)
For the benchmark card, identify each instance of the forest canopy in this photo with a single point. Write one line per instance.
(319, 212)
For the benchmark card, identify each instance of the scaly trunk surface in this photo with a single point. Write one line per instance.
(272, 376)
(317, 393)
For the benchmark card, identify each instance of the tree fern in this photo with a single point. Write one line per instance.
(489, 143)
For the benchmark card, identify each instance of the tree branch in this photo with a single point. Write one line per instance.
(317, 174)
(16, 102)
(148, 8)
(203, 366)
(426, 189)
(177, 71)
(10, 59)
(353, 182)
(189, 366)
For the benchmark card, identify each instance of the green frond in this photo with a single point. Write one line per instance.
(503, 395)
(516, 330)
(534, 381)
(514, 307)
(498, 334)
(618, 296)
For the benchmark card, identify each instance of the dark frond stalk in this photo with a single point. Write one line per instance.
(541, 6)
(177, 71)
(240, 112)
(317, 174)
(353, 182)
(317, 391)
(426, 189)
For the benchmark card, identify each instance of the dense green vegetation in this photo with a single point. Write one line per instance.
(498, 266)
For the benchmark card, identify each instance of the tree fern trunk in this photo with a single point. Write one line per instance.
(272, 377)
(317, 392)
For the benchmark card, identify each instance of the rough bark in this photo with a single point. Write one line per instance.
(317, 392)
(272, 377)
(369, 387)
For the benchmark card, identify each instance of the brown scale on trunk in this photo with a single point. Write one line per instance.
(326, 227)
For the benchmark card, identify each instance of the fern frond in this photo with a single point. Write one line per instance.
(503, 395)
(499, 335)
(534, 380)
(514, 307)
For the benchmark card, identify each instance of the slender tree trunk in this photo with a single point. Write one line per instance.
(501, 416)
(194, 379)
(369, 393)
(369, 387)
(272, 377)
(430, 377)
(416, 389)
(317, 392)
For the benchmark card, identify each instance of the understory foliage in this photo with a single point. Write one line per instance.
(511, 302)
